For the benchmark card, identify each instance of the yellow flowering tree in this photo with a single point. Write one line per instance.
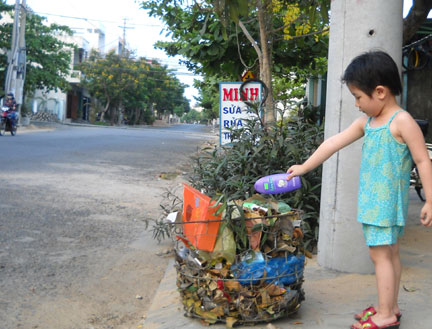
(131, 88)
(226, 37)
(278, 21)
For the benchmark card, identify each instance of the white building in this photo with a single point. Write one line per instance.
(75, 104)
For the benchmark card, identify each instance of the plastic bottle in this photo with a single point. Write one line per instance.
(254, 207)
(277, 183)
(187, 254)
(182, 251)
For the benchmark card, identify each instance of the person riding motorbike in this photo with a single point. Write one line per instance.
(10, 102)
(11, 114)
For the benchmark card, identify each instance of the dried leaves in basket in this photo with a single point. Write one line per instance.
(262, 278)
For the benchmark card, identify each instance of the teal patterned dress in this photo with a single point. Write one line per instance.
(384, 179)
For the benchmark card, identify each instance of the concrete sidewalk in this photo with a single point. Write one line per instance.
(332, 297)
(38, 127)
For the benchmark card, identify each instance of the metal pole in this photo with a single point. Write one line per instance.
(124, 27)
(10, 83)
(21, 64)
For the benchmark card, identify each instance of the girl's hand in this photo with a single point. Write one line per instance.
(296, 170)
(426, 215)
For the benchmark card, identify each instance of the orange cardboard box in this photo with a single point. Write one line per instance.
(197, 208)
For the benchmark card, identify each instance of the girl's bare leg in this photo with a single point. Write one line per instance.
(387, 278)
(397, 268)
(398, 271)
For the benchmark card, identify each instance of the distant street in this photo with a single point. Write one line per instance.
(145, 148)
(74, 252)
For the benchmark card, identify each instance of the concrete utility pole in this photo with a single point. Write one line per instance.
(17, 56)
(13, 54)
(124, 27)
(21, 67)
(123, 54)
(356, 26)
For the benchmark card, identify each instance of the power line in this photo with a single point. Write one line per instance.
(124, 27)
(98, 20)
(168, 62)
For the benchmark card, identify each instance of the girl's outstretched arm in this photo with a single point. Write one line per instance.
(329, 147)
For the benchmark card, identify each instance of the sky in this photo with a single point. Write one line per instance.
(113, 15)
(141, 34)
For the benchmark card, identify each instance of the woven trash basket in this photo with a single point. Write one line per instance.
(253, 274)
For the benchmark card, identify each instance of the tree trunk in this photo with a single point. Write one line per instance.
(102, 117)
(113, 112)
(265, 63)
(137, 116)
(415, 18)
(120, 114)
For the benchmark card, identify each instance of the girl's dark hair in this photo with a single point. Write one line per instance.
(372, 69)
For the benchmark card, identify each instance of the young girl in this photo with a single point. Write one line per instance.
(392, 139)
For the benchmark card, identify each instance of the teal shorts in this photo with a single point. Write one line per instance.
(381, 236)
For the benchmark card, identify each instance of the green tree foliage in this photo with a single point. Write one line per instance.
(132, 88)
(209, 95)
(106, 78)
(227, 37)
(48, 55)
(5, 40)
(192, 116)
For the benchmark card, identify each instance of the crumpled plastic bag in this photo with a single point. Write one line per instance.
(279, 270)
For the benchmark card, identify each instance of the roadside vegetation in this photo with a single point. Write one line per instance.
(221, 41)
(228, 173)
(284, 44)
(48, 56)
(132, 90)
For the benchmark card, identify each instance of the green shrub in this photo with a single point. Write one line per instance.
(228, 173)
(148, 117)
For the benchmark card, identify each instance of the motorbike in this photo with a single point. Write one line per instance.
(8, 121)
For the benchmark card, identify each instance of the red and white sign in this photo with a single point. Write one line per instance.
(232, 110)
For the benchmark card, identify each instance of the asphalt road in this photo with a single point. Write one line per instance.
(71, 204)
(144, 148)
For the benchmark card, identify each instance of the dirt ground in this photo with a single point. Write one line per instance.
(78, 255)
(90, 263)
(109, 285)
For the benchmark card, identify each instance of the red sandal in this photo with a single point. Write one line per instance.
(368, 312)
(369, 324)
(365, 314)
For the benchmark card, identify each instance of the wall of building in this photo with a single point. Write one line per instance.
(51, 102)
